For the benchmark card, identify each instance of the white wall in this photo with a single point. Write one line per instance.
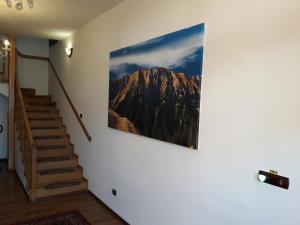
(249, 115)
(33, 73)
(4, 89)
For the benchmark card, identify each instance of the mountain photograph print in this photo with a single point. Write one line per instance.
(154, 87)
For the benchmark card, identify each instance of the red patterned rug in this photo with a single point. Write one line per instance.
(68, 218)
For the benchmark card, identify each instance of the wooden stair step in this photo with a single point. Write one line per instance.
(42, 104)
(54, 176)
(45, 123)
(40, 108)
(57, 152)
(42, 115)
(52, 141)
(56, 171)
(54, 159)
(70, 162)
(28, 91)
(56, 147)
(62, 188)
(62, 185)
(39, 97)
(61, 131)
(38, 100)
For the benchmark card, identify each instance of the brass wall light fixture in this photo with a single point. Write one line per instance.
(273, 178)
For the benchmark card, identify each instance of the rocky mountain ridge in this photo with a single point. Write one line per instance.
(159, 103)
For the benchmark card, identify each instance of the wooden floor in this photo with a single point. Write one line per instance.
(15, 207)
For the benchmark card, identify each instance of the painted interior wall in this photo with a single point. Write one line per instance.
(249, 115)
(3, 123)
(33, 73)
(4, 89)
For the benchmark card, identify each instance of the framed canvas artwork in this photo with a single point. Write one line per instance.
(155, 86)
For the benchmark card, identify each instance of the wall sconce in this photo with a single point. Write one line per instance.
(274, 179)
(5, 48)
(6, 43)
(69, 51)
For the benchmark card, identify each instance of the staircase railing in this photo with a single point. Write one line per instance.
(27, 144)
(88, 136)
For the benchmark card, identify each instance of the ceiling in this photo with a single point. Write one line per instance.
(52, 19)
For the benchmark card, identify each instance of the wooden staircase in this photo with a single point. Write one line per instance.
(57, 169)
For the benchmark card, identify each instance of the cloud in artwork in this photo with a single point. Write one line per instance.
(172, 52)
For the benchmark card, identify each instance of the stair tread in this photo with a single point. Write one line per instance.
(38, 97)
(63, 163)
(29, 100)
(40, 108)
(41, 103)
(56, 159)
(46, 153)
(46, 177)
(49, 132)
(28, 91)
(45, 123)
(42, 115)
(65, 184)
(57, 171)
(46, 192)
(55, 148)
(54, 138)
(42, 142)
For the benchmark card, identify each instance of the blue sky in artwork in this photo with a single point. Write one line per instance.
(181, 51)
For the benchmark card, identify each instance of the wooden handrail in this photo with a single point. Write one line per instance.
(70, 102)
(32, 57)
(26, 120)
(62, 87)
